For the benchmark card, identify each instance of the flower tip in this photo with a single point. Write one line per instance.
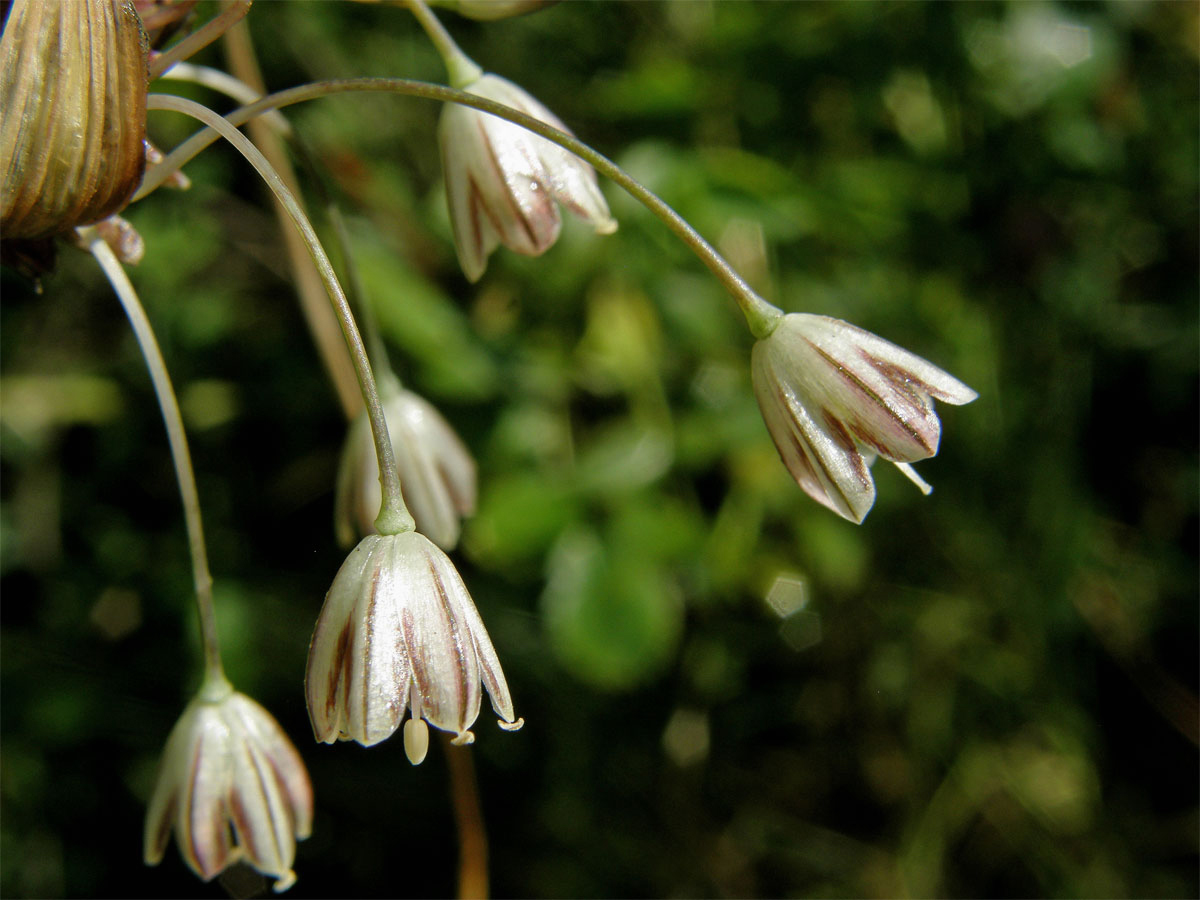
(328, 736)
(510, 726)
(285, 881)
(607, 225)
(856, 518)
(463, 739)
(964, 396)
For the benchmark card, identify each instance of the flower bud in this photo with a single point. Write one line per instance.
(233, 787)
(437, 473)
(399, 631)
(73, 88)
(503, 181)
(833, 396)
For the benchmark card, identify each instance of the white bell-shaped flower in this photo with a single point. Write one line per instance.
(399, 631)
(437, 473)
(233, 787)
(834, 396)
(503, 182)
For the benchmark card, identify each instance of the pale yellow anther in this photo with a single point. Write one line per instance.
(416, 740)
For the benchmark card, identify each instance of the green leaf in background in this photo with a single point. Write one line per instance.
(612, 617)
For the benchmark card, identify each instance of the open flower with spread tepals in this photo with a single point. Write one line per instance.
(833, 396)
(399, 631)
(437, 473)
(232, 787)
(502, 181)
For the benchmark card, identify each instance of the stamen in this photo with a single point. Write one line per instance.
(922, 485)
(416, 740)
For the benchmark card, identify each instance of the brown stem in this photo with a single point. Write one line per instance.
(201, 38)
(472, 836)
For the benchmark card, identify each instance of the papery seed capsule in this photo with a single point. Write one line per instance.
(73, 81)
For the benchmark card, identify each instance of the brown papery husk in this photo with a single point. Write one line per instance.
(73, 81)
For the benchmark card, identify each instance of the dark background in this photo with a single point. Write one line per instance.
(987, 692)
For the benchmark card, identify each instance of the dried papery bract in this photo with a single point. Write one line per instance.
(233, 787)
(833, 396)
(437, 473)
(162, 18)
(503, 183)
(399, 631)
(73, 90)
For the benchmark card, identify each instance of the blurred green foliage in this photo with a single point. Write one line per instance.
(728, 691)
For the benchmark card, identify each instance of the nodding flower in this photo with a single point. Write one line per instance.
(232, 787)
(398, 631)
(834, 396)
(503, 182)
(437, 473)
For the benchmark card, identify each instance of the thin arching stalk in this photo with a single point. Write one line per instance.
(322, 323)
(266, 132)
(461, 68)
(358, 296)
(177, 438)
(760, 315)
(394, 516)
(239, 89)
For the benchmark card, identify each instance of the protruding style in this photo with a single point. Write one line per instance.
(833, 396)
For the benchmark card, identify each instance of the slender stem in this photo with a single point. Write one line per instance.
(177, 438)
(322, 323)
(237, 88)
(394, 517)
(460, 67)
(358, 295)
(472, 837)
(200, 38)
(760, 315)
